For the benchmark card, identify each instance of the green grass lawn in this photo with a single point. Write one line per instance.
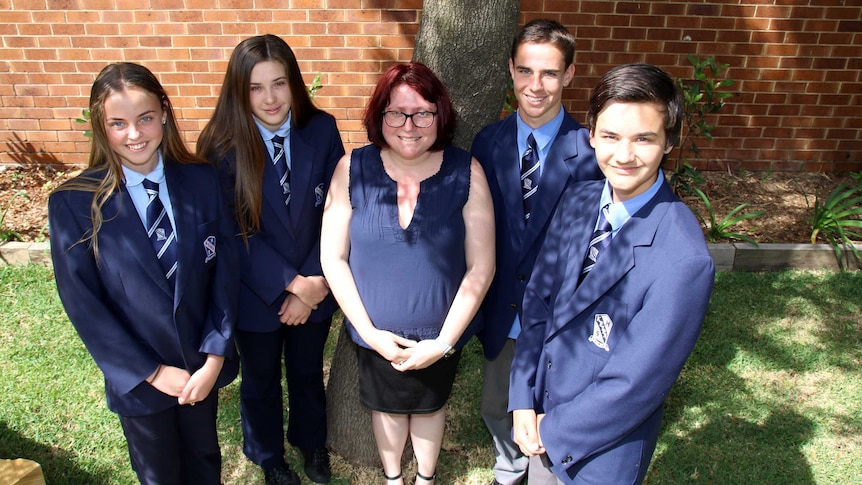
(771, 394)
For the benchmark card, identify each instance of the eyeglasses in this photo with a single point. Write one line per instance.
(420, 119)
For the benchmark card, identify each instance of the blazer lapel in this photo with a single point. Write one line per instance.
(183, 204)
(556, 173)
(508, 174)
(300, 176)
(272, 192)
(128, 228)
(614, 263)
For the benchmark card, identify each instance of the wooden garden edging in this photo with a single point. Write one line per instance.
(727, 256)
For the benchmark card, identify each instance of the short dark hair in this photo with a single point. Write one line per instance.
(640, 83)
(546, 31)
(422, 80)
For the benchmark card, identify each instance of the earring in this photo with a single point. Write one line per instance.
(164, 122)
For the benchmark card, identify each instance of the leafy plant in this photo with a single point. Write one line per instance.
(7, 234)
(315, 86)
(84, 119)
(838, 220)
(717, 230)
(511, 101)
(701, 98)
(685, 178)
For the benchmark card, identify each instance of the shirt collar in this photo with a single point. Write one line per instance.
(619, 213)
(283, 130)
(136, 178)
(544, 134)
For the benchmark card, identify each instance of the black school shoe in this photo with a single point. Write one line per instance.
(317, 465)
(281, 475)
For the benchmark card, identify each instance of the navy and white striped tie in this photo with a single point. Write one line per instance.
(279, 160)
(161, 232)
(529, 175)
(598, 243)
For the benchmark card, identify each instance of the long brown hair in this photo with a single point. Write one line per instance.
(232, 126)
(115, 78)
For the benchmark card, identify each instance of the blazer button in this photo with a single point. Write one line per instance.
(513, 306)
(521, 277)
(566, 460)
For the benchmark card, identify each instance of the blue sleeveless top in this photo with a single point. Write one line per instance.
(407, 278)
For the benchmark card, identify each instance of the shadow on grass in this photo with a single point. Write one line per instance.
(733, 415)
(58, 465)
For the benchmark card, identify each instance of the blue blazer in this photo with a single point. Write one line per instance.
(600, 358)
(570, 159)
(127, 315)
(288, 242)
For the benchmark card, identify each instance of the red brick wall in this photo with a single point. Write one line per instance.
(796, 103)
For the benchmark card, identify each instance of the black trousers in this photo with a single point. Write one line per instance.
(176, 446)
(261, 407)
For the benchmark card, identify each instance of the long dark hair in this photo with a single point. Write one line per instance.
(115, 78)
(232, 126)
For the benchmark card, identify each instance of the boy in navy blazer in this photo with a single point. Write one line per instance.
(541, 65)
(617, 298)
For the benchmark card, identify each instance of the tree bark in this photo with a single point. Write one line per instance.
(348, 421)
(467, 43)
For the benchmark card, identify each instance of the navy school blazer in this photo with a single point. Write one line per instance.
(570, 159)
(288, 242)
(600, 358)
(125, 312)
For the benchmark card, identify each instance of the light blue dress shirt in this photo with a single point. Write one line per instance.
(619, 213)
(283, 131)
(544, 136)
(134, 184)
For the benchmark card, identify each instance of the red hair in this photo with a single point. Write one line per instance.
(422, 80)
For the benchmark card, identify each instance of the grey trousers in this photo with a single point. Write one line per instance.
(510, 467)
(541, 475)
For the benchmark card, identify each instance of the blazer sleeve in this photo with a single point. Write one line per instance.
(124, 359)
(641, 369)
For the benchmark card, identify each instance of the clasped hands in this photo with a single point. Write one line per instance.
(304, 294)
(406, 354)
(187, 388)
(526, 431)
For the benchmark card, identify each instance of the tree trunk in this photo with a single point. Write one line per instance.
(467, 43)
(348, 422)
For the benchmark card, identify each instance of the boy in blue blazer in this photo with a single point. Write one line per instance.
(525, 195)
(617, 298)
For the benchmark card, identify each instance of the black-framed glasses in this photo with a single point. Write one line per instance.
(420, 119)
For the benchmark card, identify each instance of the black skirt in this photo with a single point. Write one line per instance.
(423, 391)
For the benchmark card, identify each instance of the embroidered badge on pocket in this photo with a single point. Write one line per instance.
(210, 248)
(602, 325)
(318, 195)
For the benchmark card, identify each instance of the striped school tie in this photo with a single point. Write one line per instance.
(280, 163)
(161, 233)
